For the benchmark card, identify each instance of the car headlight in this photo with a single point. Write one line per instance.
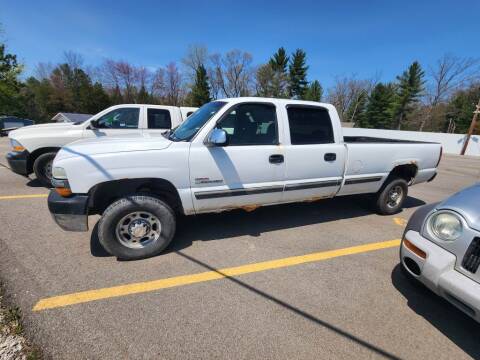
(445, 225)
(59, 172)
(16, 146)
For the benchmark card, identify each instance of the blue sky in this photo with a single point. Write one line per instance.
(340, 37)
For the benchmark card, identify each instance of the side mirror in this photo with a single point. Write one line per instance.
(218, 137)
(94, 124)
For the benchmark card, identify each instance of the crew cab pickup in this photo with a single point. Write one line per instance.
(233, 153)
(34, 147)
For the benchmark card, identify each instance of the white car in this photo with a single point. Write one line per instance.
(34, 147)
(232, 153)
(441, 249)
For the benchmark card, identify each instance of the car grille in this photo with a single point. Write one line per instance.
(471, 261)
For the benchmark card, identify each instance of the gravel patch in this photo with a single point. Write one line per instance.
(13, 345)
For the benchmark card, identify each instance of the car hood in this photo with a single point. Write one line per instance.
(466, 203)
(108, 145)
(35, 129)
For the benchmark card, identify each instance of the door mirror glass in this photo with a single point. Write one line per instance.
(93, 124)
(218, 137)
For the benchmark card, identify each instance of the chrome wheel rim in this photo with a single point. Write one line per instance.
(395, 196)
(138, 230)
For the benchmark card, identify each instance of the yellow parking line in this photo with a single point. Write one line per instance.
(400, 221)
(14, 197)
(148, 286)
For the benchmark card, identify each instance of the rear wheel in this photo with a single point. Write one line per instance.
(42, 167)
(136, 227)
(389, 200)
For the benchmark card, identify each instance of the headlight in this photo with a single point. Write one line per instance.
(446, 226)
(59, 173)
(16, 146)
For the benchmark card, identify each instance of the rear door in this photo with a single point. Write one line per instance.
(159, 120)
(314, 160)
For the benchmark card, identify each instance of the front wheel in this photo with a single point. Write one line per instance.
(389, 200)
(42, 167)
(136, 227)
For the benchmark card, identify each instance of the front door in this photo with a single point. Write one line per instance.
(120, 122)
(249, 170)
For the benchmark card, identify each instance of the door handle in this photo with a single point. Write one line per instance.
(330, 157)
(276, 159)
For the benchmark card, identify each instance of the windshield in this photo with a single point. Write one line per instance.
(187, 130)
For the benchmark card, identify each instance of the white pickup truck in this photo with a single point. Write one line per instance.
(34, 147)
(233, 153)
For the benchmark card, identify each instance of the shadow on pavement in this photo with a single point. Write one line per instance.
(271, 218)
(35, 183)
(235, 223)
(377, 351)
(454, 324)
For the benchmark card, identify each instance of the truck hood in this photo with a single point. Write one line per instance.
(35, 129)
(466, 203)
(108, 145)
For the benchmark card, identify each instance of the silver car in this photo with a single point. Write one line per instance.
(441, 249)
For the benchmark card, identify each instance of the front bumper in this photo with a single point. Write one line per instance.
(18, 162)
(438, 273)
(70, 213)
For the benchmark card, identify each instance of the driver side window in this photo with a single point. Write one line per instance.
(123, 118)
(251, 124)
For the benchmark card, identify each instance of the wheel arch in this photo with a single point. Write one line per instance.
(36, 153)
(105, 193)
(407, 171)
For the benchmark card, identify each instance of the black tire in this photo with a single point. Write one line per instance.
(111, 239)
(42, 167)
(384, 203)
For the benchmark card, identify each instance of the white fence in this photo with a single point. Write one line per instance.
(452, 143)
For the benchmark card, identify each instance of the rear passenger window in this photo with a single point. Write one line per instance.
(251, 124)
(309, 125)
(159, 119)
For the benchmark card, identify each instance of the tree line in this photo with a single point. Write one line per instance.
(441, 98)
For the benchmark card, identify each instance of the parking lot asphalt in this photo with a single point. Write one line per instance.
(303, 281)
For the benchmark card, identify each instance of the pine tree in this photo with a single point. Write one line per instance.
(298, 83)
(278, 77)
(9, 84)
(411, 86)
(143, 97)
(314, 91)
(461, 108)
(279, 60)
(380, 108)
(200, 90)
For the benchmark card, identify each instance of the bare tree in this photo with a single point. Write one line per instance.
(450, 74)
(108, 74)
(173, 85)
(158, 86)
(347, 93)
(127, 76)
(73, 59)
(43, 70)
(233, 73)
(196, 55)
